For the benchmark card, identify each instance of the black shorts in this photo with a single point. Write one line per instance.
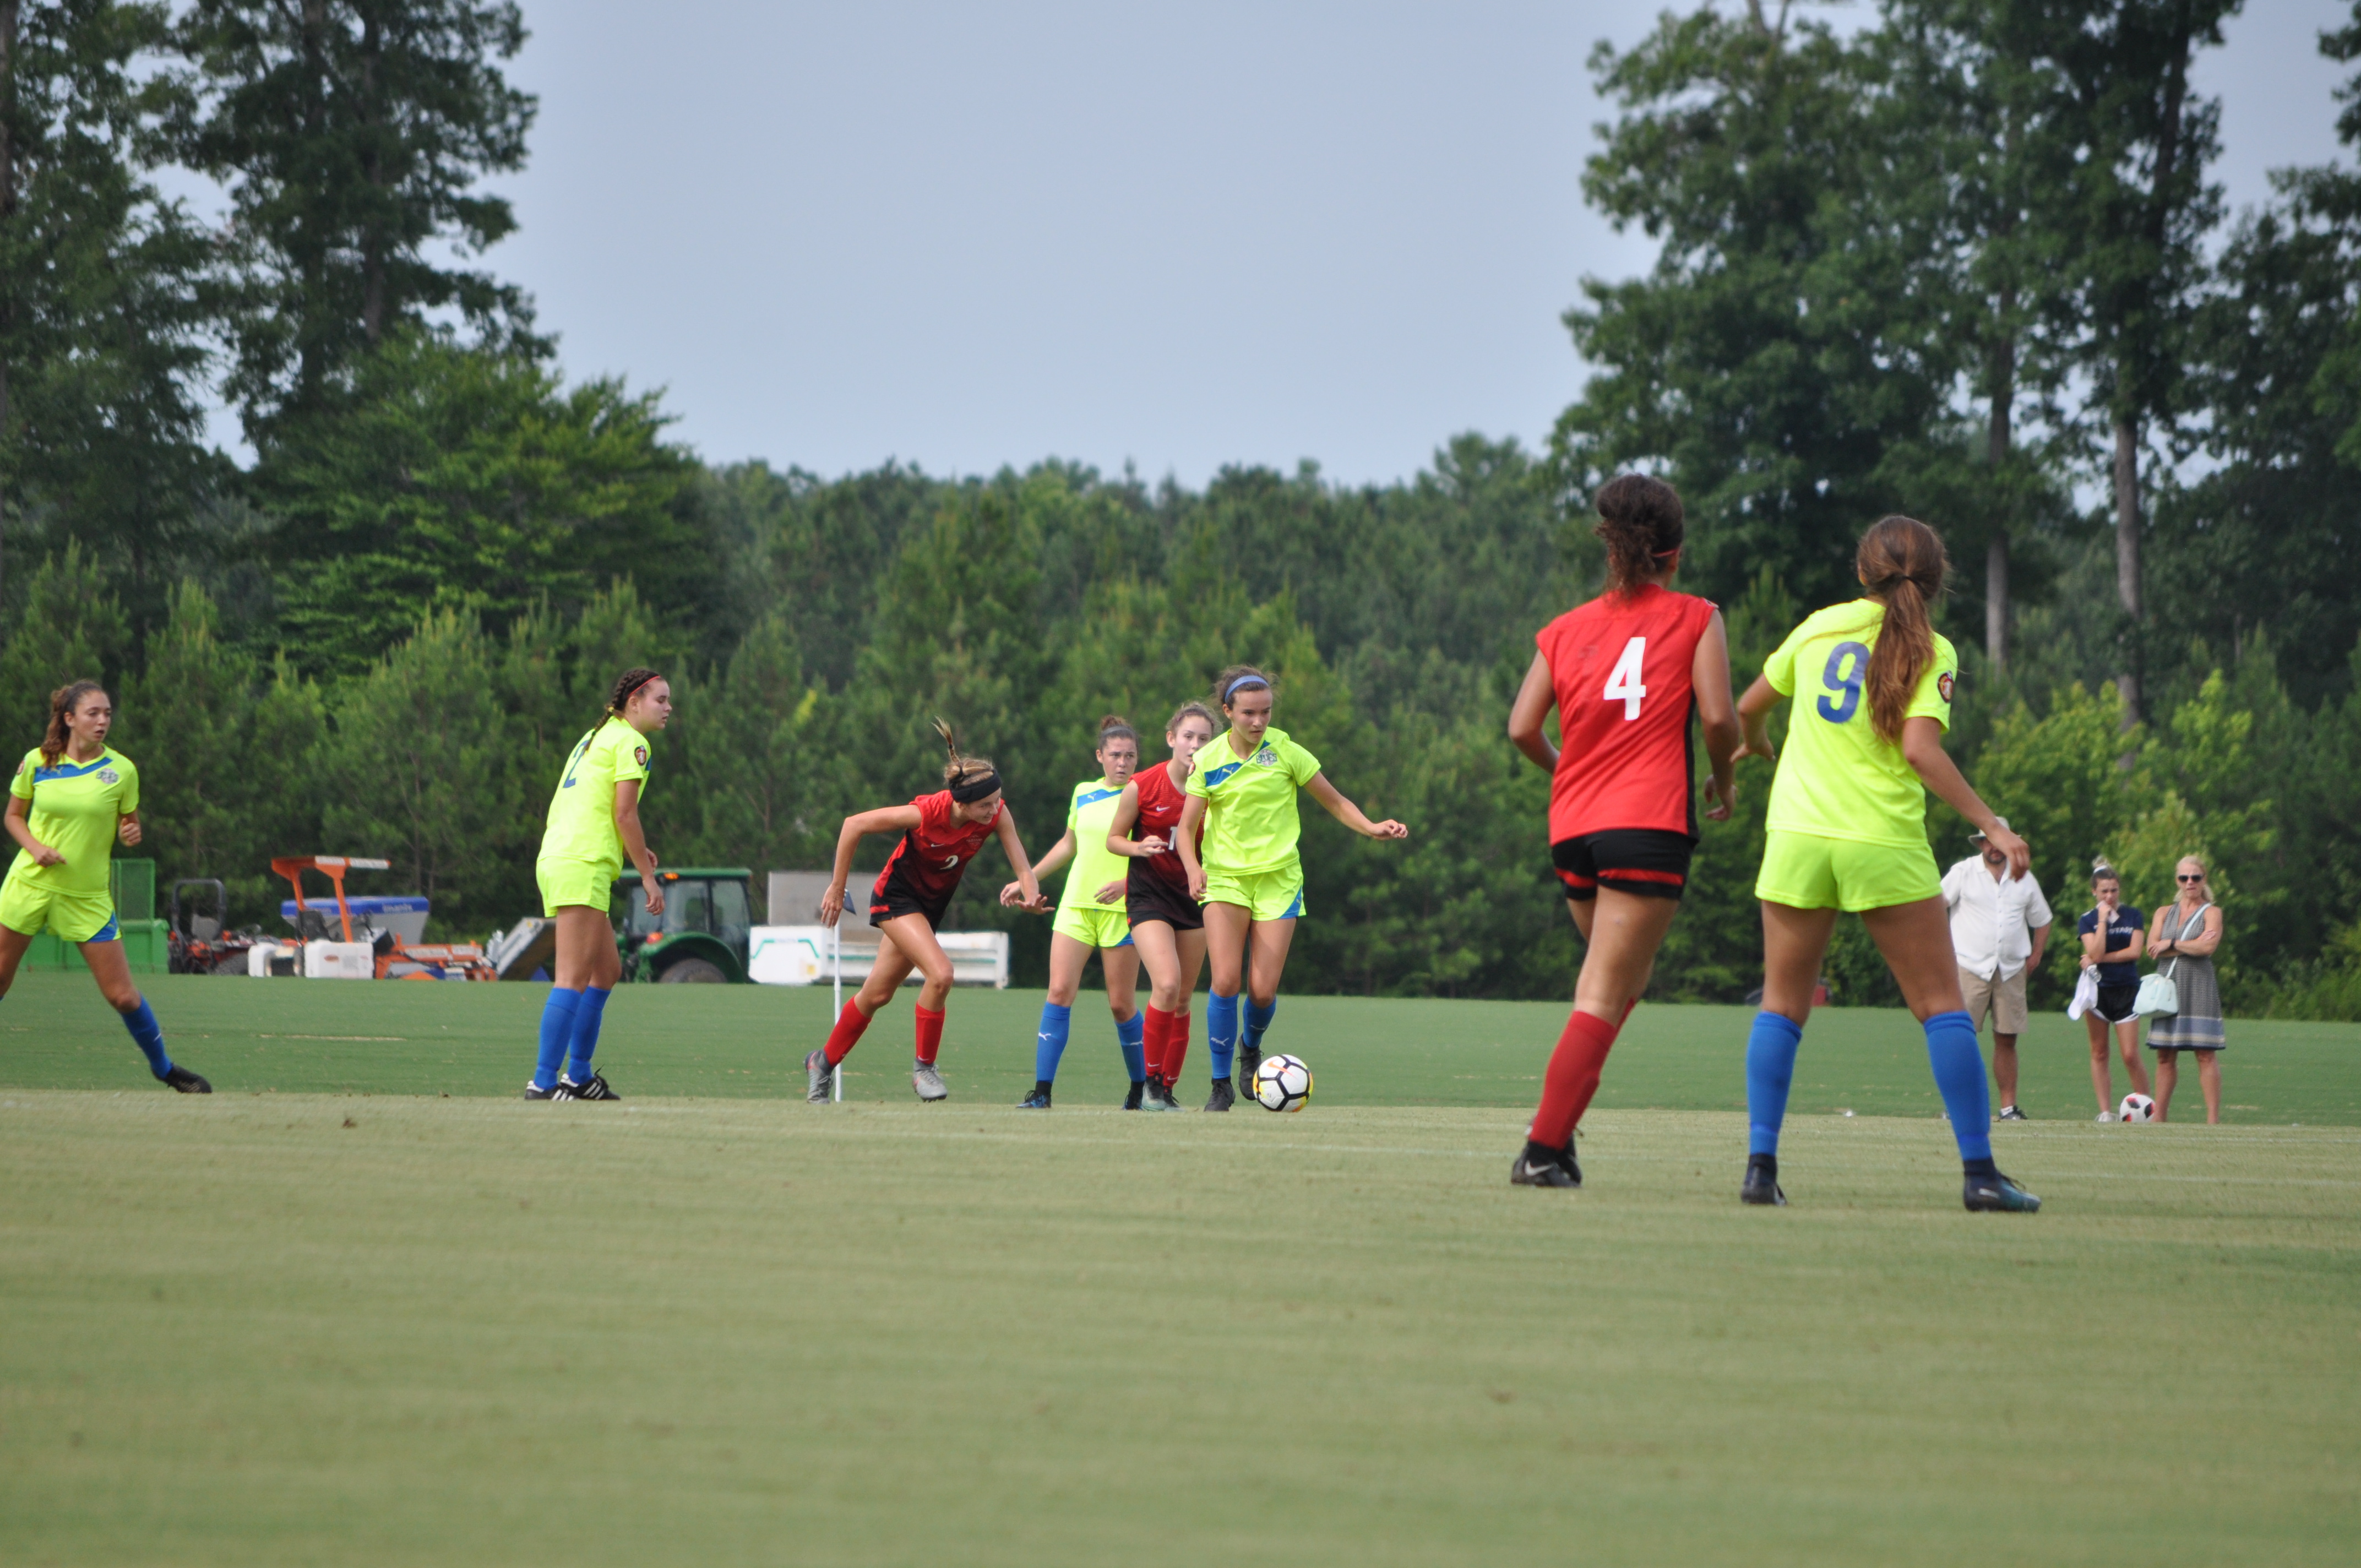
(1652, 863)
(1150, 897)
(2116, 1002)
(897, 898)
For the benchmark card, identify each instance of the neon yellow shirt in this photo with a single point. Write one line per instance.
(74, 810)
(582, 810)
(1835, 778)
(1088, 817)
(1251, 823)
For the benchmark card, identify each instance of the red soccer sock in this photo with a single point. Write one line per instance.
(1573, 1078)
(1151, 1039)
(1175, 1045)
(930, 1035)
(847, 1033)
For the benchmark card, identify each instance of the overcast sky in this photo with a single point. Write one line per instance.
(1174, 236)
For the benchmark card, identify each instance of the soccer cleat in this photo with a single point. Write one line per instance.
(2011, 1114)
(1762, 1184)
(1132, 1101)
(1554, 1168)
(928, 1082)
(597, 1089)
(534, 1092)
(1159, 1096)
(1037, 1101)
(1249, 1061)
(1223, 1097)
(185, 1082)
(2103, 1117)
(1997, 1195)
(823, 1078)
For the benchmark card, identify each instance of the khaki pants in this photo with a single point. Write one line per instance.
(2004, 999)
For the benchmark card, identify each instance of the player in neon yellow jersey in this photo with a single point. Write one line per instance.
(1246, 873)
(73, 800)
(1872, 681)
(594, 824)
(1091, 918)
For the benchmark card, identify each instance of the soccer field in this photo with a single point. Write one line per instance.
(328, 1315)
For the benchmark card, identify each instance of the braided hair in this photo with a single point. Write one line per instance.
(627, 685)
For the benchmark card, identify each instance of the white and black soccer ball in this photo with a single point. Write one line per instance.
(2136, 1108)
(1282, 1083)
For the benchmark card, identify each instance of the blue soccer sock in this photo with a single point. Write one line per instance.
(556, 1030)
(1259, 1017)
(1050, 1044)
(588, 1012)
(1131, 1035)
(1770, 1070)
(1220, 1031)
(1959, 1065)
(149, 1036)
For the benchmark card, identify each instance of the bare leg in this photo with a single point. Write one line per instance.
(2209, 1079)
(12, 953)
(112, 968)
(2005, 1066)
(587, 955)
(1622, 936)
(1271, 939)
(2127, 1043)
(2102, 1080)
(1067, 959)
(887, 973)
(1915, 941)
(2168, 1078)
(1227, 926)
(1794, 941)
(1173, 959)
(1119, 968)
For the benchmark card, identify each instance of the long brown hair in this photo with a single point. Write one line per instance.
(1640, 520)
(626, 686)
(1902, 564)
(63, 701)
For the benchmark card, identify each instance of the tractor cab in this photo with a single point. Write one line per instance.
(701, 936)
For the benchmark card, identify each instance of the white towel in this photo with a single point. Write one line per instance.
(2086, 995)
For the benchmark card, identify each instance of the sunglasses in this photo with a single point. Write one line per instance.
(2184, 876)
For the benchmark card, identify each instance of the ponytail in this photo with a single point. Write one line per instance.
(1641, 523)
(1902, 563)
(63, 701)
(627, 685)
(969, 779)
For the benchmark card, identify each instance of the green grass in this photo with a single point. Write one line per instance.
(711, 1325)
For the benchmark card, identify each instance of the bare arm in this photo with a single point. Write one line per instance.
(635, 842)
(1535, 700)
(2040, 946)
(1345, 811)
(884, 819)
(1709, 680)
(1922, 748)
(2200, 946)
(20, 829)
(1755, 719)
(127, 828)
(1192, 817)
(1119, 839)
(1060, 853)
(1027, 889)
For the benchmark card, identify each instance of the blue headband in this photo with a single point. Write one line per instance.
(1243, 681)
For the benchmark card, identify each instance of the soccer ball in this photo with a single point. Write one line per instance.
(2136, 1108)
(1282, 1083)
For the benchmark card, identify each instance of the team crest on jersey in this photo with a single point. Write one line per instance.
(1265, 758)
(639, 754)
(108, 776)
(1943, 684)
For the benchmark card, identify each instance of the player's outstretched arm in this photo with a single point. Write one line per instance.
(1535, 700)
(635, 842)
(884, 819)
(21, 830)
(1351, 815)
(1922, 748)
(1026, 889)
(1710, 679)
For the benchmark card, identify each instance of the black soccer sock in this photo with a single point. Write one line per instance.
(1982, 1167)
(1768, 1164)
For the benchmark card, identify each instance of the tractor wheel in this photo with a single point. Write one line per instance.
(694, 972)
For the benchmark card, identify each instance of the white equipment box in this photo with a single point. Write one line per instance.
(805, 954)
(339, 960)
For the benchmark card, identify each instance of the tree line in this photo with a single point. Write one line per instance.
(1965, 263)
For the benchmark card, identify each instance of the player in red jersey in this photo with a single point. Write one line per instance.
(1627, 672)
(1167, 926)
(940, 835)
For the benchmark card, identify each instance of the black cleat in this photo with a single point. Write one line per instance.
(1159, 1096)
(1762, 1184)
(2011, 1114)
(1138, 1092)
(534, 1091)
(597, 1089)
(1538, 1167)
(185, 1082)
(1997, 1194)
(1037, 1101)
(1223, 1097)
(1249, 1062)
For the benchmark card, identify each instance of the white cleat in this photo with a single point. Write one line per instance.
(2103, 1117)
(823, 1078)
(928, 1082)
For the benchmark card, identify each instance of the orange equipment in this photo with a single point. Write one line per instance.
(466, 958)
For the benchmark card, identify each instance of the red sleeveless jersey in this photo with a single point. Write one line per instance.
(1622, 669)
(932, 857)
(1160, 801)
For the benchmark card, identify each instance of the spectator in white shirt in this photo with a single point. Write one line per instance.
(2000, 923)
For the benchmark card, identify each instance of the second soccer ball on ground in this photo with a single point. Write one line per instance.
(2136, 1108)
(1282, 1083)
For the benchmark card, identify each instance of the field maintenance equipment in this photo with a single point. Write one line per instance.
(198, 933)
(380, 954)
(701, 937)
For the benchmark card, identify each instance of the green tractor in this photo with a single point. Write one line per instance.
(700, 938)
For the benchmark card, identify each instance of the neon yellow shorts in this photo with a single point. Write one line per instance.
(1095, 925)
(1803, 870)
(575, 882)
(1266, 895)
(32, 908)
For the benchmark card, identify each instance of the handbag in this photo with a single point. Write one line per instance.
(2086, 995)
(2159, 993)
